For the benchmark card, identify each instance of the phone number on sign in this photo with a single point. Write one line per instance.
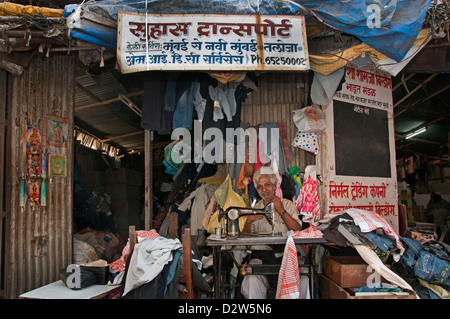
(275, 60)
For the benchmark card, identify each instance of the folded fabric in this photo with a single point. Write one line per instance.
(310, 232)
(369, 221)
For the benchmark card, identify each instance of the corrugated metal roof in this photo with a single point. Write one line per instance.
(107, 120)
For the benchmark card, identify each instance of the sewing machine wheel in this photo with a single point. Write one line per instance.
(233, 214)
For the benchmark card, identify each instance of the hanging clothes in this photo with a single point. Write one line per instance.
(154, 116)
(275, 150)
(182, 117)
(288, 286)
(225, 95)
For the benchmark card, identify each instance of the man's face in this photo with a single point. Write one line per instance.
(265, 188)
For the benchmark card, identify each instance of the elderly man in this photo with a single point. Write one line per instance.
(286, 218)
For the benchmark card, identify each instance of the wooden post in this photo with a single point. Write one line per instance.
(132, 237)
(148, 150)
(187, 263)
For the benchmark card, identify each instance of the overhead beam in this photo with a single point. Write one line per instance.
(431, 77)
(406, 108)
(121, 136)
(106, 102)
(403, 81)
(130, 104)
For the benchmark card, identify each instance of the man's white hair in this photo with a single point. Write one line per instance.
(267, 172)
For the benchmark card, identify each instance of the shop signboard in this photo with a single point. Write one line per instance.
(360, 146)
(211, 42)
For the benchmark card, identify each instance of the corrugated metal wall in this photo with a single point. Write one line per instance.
(40, 238)
(278, 95)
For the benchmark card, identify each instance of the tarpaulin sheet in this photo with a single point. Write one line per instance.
(9, 8)
(400, 20)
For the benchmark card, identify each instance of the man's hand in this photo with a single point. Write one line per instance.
(277, 205)
(248, 223)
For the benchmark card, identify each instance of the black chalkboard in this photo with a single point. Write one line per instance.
(361, 136)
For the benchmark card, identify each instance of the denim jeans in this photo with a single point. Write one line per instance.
(424, 264)
(382, 242)
(411, 254)
(432, 269)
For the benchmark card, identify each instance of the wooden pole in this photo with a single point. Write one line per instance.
(148, 150)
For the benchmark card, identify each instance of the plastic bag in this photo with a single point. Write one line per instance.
(310, 119)
(172, 159)
(226, 197)
(307, 142)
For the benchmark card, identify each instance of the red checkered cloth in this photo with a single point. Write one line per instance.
(119, 264)
(369, 221)
(310, 232)
(288, 286)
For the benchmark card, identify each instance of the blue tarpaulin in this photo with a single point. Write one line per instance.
(400, 21)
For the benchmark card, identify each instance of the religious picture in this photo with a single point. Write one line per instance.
(57, 134)
(34, 192)
(34, 164)
(57, 165)
(33, 139)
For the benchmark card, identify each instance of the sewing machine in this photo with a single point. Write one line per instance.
(232, 215)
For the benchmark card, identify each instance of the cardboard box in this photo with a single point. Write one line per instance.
(328, 289)
(123, 191)
(124, 176)
(93, 179)
(126, 207)
(347, 271)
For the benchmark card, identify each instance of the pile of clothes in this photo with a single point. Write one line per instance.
(91, 245)
(425, 264)
(154, 268)
(416, 263)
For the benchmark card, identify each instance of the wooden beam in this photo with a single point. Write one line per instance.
(431, 77)
(121, 136)
(403, 81)
(406, 108)
(82, 107)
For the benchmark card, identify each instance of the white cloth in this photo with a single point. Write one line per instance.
(148, 260)
(371, 258)
(199, 199)
(254, 286)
